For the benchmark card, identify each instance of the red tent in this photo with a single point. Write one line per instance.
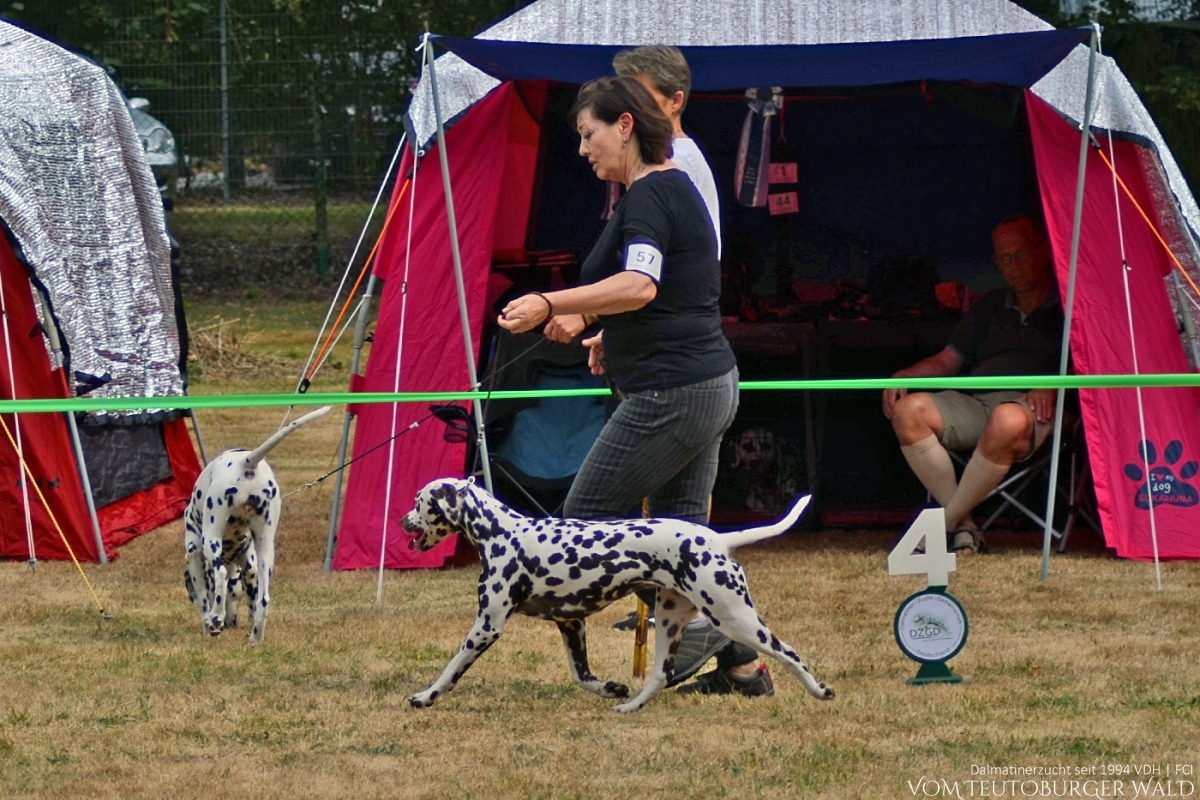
(502, 168)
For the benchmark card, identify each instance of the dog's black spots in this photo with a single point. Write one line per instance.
(775, 645)
(672, 630)
(231, 490)
(497, 586)
(554, 558)
(541, 537)
(510, 569)
(613, 541)
(705, 558)
(721, 578)
(469, 645)
(762, 636)
(577, 540)
(554, 581)
(209, 503)
(520, 591)
(574, 573)
(668, 605)
(615, 689)
(497, 550)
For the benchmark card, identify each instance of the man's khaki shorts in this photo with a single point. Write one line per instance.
(965, 416)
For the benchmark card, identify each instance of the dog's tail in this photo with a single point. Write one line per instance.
(258, 454)
(734, 539)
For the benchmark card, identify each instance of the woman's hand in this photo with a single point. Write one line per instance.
(524, 313)
(564, 328)
(595, 347)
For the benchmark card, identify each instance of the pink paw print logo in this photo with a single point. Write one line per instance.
(1163, 484)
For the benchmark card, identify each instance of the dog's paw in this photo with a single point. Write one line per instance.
(423, 699)
(629, 708)
(612, 689)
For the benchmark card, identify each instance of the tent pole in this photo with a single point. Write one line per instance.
(1084, 136)
(360, 334)
(56, 349)
(458, 270)
(1189, 323)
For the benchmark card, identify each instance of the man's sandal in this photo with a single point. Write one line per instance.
(967, 540)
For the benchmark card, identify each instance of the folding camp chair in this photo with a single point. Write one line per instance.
(1013, 491)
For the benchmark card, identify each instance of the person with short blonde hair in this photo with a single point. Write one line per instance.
(664, 72)
(664, 65)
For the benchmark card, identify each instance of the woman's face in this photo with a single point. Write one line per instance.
(600, 143)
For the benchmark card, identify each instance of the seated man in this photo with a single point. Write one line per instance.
(1013, 331)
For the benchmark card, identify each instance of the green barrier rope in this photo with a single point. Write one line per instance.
(1016, 382)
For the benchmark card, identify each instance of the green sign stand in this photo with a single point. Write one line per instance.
(930, 626)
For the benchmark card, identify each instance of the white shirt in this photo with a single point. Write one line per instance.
(687, 157)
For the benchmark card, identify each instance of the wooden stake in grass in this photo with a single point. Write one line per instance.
(643, 621)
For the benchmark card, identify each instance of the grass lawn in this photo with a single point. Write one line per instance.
(1091, 672)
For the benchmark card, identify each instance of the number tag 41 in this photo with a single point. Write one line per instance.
(936, 563)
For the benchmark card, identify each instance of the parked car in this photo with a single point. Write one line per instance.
(159, 144)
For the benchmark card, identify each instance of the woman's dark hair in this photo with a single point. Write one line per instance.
(608, 98)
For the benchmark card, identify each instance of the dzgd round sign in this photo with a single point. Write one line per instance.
(931, 627)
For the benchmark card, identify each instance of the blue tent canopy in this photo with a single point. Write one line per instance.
(1015, 59)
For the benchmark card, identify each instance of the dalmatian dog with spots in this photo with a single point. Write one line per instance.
(567, 570)
(229, 535)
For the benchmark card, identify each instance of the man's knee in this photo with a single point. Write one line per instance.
(1009, 428)
(916, 417)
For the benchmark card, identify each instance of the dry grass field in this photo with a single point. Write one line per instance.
(1092, 669)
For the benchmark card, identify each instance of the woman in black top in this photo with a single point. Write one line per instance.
(653, 282)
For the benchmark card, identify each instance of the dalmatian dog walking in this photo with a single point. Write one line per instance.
(229, 535)
(567, 570)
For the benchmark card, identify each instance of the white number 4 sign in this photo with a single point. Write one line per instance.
(935, 562)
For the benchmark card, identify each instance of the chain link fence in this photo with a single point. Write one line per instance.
(283, 127)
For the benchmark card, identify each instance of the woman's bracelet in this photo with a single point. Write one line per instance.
(549, 305)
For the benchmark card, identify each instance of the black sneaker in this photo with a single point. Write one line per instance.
(699, 644)
(723, 681)
(630, 623)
